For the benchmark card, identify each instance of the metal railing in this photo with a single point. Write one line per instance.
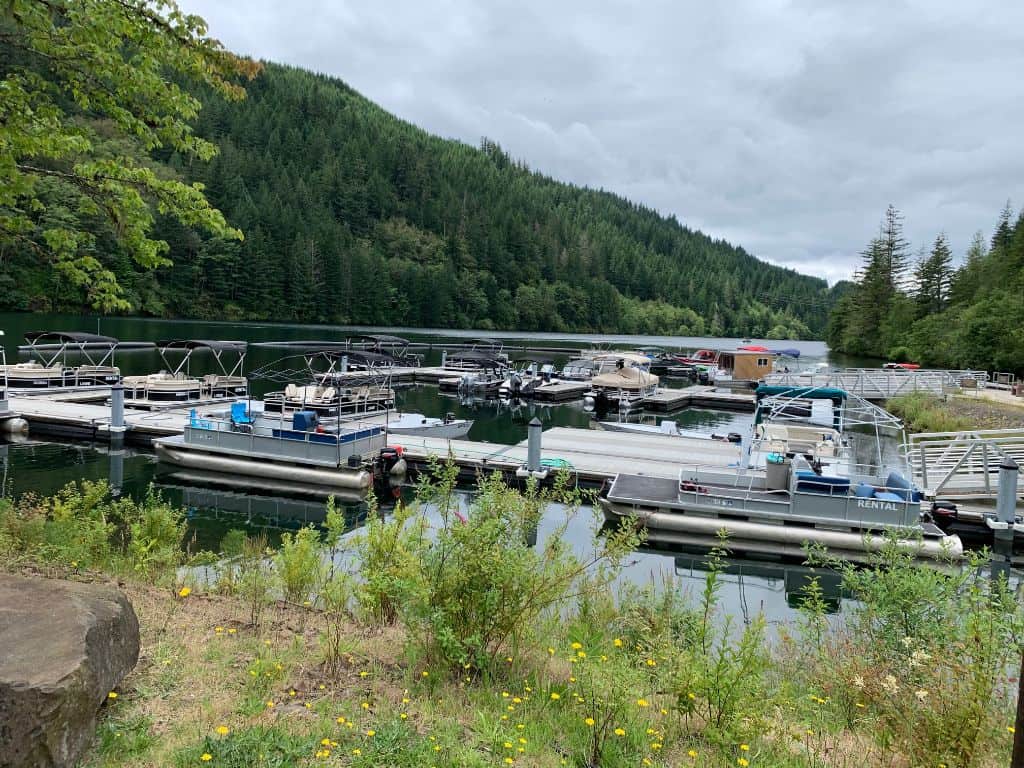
(962, 464)
(881, 383)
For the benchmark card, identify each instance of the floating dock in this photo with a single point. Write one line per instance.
(592, 456)
(699, 396)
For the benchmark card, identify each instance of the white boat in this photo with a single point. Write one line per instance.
(624, 386)
(670, 428)
(51, 369)
(176, 384)
(428, 426)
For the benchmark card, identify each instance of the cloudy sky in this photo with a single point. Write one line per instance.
(784, 127)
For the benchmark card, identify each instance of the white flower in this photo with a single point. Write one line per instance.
(921, 694)
(907, 642)
(858, 681)
(919, 657)
(889, 684)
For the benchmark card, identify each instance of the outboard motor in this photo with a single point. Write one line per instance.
(944, 513)
(734, 437)
(391, 460)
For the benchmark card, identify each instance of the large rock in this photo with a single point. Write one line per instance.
(63, 647)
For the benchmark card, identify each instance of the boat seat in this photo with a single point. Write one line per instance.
(291, 392)
(327, 396)
(864, 491)
(888, 496)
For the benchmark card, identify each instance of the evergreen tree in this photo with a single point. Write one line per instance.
(933, 277)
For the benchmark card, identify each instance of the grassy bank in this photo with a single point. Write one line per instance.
(469, 647)
(923, 412)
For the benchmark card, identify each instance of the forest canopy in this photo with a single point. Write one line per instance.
(930, 311)
(351, 215)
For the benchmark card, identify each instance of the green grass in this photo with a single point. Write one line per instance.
(923, 412)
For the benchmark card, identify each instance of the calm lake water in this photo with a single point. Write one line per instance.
(44, 467)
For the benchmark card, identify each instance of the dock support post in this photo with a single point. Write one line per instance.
(344, 364)
(117, 425)
(534, 430)
(444, 357)
(1006, 501)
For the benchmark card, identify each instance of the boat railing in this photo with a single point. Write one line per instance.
(962, 464)
(325, 446)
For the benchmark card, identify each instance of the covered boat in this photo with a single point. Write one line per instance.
(624, 385)
(50, 367)
(176, 382)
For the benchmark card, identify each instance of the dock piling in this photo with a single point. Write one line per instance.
(1006, 502)
(534, 430)
(343, 365)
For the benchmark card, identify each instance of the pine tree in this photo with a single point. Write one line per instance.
(934, 275)
(895, 248)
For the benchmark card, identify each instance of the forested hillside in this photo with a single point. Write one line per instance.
(926, 310)
(353, 216)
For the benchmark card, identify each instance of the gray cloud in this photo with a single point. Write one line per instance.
(784, 127)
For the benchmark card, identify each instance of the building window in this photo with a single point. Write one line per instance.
(762, 362)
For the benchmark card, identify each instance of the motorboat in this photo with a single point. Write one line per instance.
(535, 374)
(780, 511)
(50, 368)
(474, 382)
(177, 384)
(670, 428)
(623, 387)
(448, 427)
(294, 449)
(354, 399)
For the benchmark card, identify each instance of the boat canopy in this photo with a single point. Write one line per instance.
(218, 348)
(631, 379)
(752, 348)
(70, 337)
(193, 344)
(806, 393)
(382, 339)
(59, 342)
(788, 352)
(360, 356)
(543, 360)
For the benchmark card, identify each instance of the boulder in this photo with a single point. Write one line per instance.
(63, 647)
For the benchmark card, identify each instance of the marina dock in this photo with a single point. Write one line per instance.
(592, 456)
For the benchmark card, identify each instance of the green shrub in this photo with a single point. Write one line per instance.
(388, 552)
(298, 565)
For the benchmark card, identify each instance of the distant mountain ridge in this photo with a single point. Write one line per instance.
(352, 215)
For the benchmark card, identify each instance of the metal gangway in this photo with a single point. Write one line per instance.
(962, 465)
(881, 383)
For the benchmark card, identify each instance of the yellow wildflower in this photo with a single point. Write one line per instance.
(522, 740)
(651, 663)
(742, 762)
(509, 761)
(641, 702)
(232, 631)
(112, 695)
(371, 732)
(218, 630)
(551, 651)
(206, 757)
(340, 721)
(617, 642)
(365, 705)
(577, 646)
(692, 754)
(581, 654)
(555, 696)
(223, 730)
(184, 592)
(363, 673)
(425, 673)
(404, 716)
(508, 745)
(744, 747)
(620, 732)
(589, 721)
(1010, 729)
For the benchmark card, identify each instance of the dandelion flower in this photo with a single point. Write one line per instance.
(581, 654)
(425, 673)
(742, 762)
(655, 745)
(292, 693)
(859, 705)
(509, 761)
(617, 642)
(1010, 729)
(218, 630)
(405, 700)
(371, 732)
(365, 705)
(589, 721)
(232, 631)
(744, 747)
(522, 740)
(206, 757)
(340, 721)
(620, 732)
(641, 702)
(112, 695)
(505, 694)
(404, 716)
(364, 673)
(270, 704)
(520, 726)
(577, 646)
(651, 663)
(357, 751)
(555, 696)
(692, 754)
(551, 651)
(184, 592)
(517, 700)
(223, 730)
(508, 745)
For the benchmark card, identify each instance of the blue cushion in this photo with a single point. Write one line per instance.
(899, 485)
(864, 491)
(887, 496)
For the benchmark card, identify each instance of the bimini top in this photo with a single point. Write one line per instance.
(382, 338)
(805, 393)
(70, 337)
(355, 356)
(190, 344)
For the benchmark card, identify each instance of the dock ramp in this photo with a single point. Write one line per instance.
(962, 465)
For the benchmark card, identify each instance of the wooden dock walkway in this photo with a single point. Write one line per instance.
(592, 455)
(699, 396)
